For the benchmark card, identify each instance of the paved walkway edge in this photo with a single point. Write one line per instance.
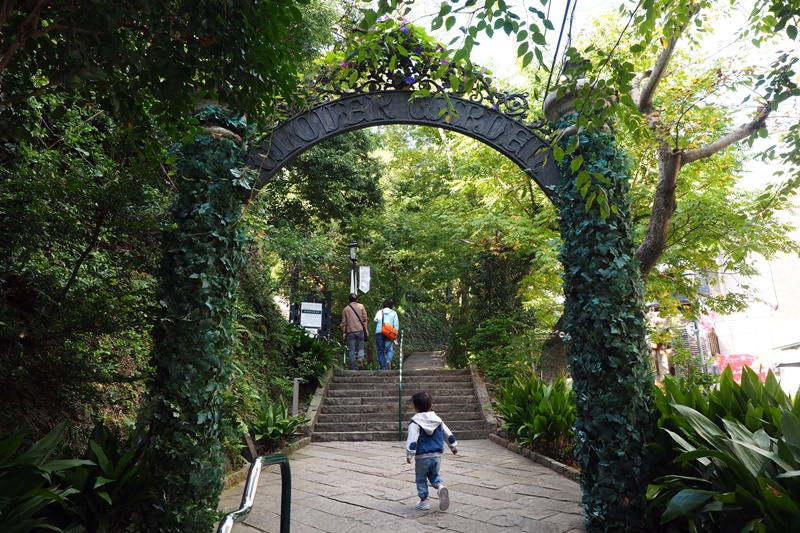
(555, 466)
(312, 415)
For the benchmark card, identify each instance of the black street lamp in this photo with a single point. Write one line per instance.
(353, 257)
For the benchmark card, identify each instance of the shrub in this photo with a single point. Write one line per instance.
(273, 426)
(732, 457)
(500, 347)
(29, 481)
(46, 488)
(539, 415)
(310, 357)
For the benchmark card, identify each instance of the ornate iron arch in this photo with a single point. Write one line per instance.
(509, 136)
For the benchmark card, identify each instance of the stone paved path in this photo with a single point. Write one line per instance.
(424, 361)
(367, 487)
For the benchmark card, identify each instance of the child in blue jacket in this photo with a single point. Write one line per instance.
(426, 437)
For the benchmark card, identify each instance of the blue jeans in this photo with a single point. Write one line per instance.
(355, 343)
(384, 350)
(427, 469)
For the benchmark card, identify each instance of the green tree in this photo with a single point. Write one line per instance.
(152, 59)
(82, 208)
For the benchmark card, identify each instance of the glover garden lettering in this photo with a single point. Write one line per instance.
(506, 135)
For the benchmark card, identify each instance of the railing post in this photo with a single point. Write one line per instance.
(400, 395)
(296, 396)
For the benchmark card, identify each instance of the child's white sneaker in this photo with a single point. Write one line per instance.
(444, 498)
(423, 505)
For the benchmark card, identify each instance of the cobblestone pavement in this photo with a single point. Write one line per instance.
(367, 487)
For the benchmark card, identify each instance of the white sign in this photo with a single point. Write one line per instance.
(311, 315)
(365, 275)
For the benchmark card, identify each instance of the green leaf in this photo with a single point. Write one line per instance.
(684, 503)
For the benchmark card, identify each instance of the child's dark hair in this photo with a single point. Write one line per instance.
(422, 401)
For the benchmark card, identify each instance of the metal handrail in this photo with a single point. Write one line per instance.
(249, 496)
(400, 394)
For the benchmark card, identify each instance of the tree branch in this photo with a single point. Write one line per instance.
(664, 205)
(84, 254)
(742, 132)
(645, 103)
(25, 31)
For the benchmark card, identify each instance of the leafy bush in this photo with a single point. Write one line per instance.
(108, 486)
(46, 488)
(273, 426)
(310, 357)
(29, 481)
(500, 347)
(732, 457)
(539, 415)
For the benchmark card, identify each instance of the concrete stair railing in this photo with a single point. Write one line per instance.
(362, 405)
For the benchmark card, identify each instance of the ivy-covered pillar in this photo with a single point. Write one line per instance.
(203, 254)
(604, 316)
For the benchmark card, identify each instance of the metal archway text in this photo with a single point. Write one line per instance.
(520, 143)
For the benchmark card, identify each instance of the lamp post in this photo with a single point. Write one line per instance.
(353, 257)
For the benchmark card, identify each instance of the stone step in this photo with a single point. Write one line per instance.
(389, 407)
(353, 436)
(359, 377)
(406, 373)
(358, 416)
(383, 389)
(391, 399)
(392, 392)
(374, 425)
(416, 384)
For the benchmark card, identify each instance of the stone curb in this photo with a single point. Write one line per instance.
(314, 408)
(312, 415)
(234, 478)
(555, 466)
(485, 402)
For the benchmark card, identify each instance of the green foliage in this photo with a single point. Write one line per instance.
(605, 319)
(682, 359)
(402, 56)
(110, 484)
(46, 488)
(500, 346)
(151, 61)
(29, 480)
(192, 353)
(273, 426)
(730, 456)
(424, 325)
(81, 209)
(310, 357)
(539, 415)
(333, 181)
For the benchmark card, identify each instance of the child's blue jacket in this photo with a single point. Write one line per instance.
(427, 435)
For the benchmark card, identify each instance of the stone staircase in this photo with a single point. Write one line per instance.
(361, 405)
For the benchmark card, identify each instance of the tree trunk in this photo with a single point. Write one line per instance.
(555, 355)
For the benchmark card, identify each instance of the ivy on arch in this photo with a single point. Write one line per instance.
(203, 254)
